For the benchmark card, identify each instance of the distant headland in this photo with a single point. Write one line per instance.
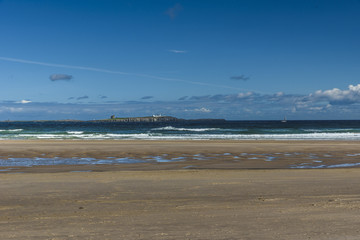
(153, 118)
(148, 119)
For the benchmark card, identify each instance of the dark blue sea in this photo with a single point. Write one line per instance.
(189, 130)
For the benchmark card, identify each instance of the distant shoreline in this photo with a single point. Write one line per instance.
(128, 120)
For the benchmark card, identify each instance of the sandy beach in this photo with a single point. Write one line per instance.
(220, 190)
(185, 154)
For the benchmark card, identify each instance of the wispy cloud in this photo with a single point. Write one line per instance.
(147, 97)
(240, 78)
(116, 72)
(183, 98)
(174, 11)
(60, 77)
(62, 65)
(177, 51)
(83, 97)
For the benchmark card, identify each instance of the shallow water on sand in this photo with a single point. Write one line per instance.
(294, 160)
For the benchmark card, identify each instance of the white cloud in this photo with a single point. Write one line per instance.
(11, 109)
(279, 94)
(24, 101)
(204, 110)
(177, 51)
(316, 108)
(335, 95)
(323, 104)
(244, 95)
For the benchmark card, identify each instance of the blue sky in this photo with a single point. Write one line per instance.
(233, 59)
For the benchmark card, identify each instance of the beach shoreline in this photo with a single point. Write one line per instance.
(156, 155)
(221, 190)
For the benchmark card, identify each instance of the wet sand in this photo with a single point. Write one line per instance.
(186, 154)
(221, 198)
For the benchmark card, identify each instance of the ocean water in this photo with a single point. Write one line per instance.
(191, 130)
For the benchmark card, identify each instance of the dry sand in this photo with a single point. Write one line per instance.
(220, 199)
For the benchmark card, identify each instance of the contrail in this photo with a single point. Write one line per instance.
(17, 60)
(61, 65)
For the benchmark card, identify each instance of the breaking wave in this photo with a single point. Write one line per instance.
(236, 130)
(159, 136)
(170, 128)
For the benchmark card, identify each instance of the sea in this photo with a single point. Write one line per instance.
(184, 130)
